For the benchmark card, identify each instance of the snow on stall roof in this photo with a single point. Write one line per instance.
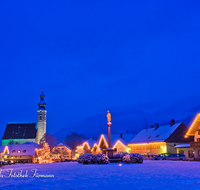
(21, 149)
(114, 138)
(152, 135)
(182, 146)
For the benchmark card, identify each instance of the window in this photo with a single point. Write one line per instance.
(198, 139)
(40, 117)
(24, 151)
(13, 151)
(181, 151)
(190, 153)
(198, 132)
(18, 151)
(157, 136)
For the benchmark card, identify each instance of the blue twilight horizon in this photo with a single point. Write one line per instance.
(94, 56)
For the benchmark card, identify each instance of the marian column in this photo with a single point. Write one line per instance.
(109, 132)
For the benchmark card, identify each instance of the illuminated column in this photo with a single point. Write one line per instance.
(109, 134)
(109, 124)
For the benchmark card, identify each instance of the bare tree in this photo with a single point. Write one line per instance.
(74, 139)
(51, 140)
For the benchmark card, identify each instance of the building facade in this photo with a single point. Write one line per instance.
(20, 153)
(157, 140)
(61, 152)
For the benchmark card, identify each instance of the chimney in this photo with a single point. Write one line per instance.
(121, 136)
(156, 126)
(151, 126)
(172, 122)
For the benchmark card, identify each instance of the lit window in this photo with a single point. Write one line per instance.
(18, 151)
(190, 153)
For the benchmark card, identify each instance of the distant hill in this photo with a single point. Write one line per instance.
(129, 120)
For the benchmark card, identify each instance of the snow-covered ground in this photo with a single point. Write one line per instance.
(156, 175)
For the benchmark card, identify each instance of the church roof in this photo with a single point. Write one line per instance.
(20, 131)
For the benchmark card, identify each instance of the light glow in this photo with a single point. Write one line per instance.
(103, 138)
(6, 150)
(119, 142)
(95, 145)
(191, 127)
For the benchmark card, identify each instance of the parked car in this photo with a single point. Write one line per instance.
(162, 156)
(11, 162)
(5, 163)
(176, 157)
(170, 156)
(149, 157)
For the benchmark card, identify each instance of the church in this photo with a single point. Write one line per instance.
(20, 133)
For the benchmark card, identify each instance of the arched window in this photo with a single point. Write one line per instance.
(190, 153)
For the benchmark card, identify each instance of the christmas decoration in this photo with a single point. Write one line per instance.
(44, 154)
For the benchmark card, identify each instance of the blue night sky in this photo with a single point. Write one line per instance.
(94, 56)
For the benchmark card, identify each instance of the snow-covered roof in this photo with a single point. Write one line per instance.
(126, 138)
(62, 144)
(182, 146)
(33, 143)
(21, 149)
(152, 135)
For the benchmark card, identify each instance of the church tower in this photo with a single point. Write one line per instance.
(41, 119)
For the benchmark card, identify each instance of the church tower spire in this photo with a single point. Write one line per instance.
(42, 104)
(41, 118)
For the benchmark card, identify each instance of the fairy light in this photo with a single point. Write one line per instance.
(136, 144)
(44, 154)
(95, 145)
(118, 143)
(103, 138)
(6, 150)
(192, 125)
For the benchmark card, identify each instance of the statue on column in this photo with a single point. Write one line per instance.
(108, 117)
